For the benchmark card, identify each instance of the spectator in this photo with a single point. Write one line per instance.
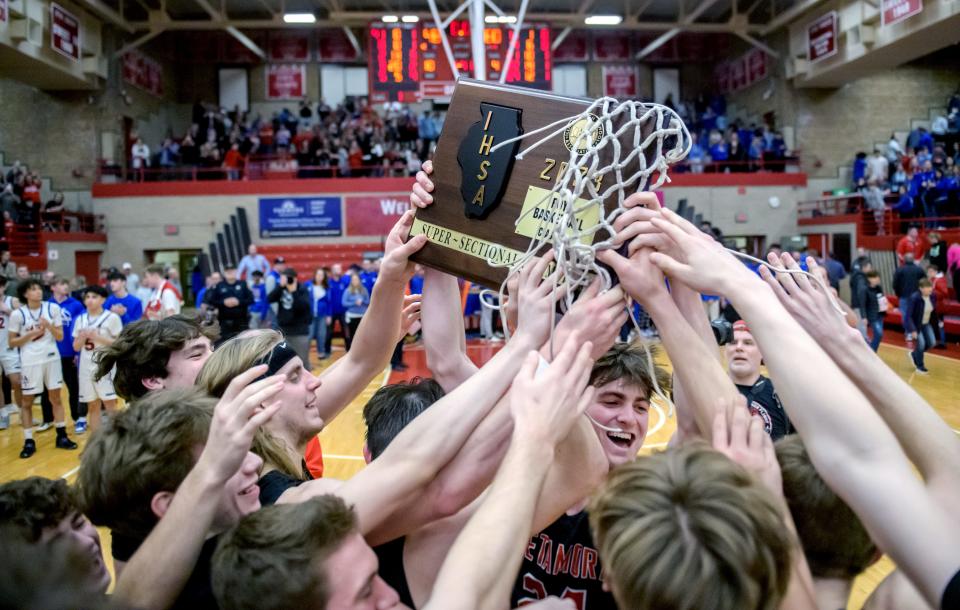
(140, 155)
(133, 280)
(736, 154)
(53, 213)
(936, 251)
(232, 300)
(355, 301)
(942, 293)
(251, 262)
(260, 307)
(9, 202)
(918, 322)
(905, 281)
(910, 243)
(320, 296)
(121, 302)
(859, 292)
(294, 314)
(696, 156)
(233, 162)
(835, 270)
(876, 308)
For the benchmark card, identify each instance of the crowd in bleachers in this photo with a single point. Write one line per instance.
(21, 204)
(725, 145)
(921, 175)
(318, 140)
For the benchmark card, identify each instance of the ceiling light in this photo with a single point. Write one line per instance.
(603, 20)
(389, 19)
(500, 19)
(299, 18)
(410, 19)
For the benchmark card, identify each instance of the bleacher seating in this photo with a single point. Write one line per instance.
(951, 315)
(305, 258)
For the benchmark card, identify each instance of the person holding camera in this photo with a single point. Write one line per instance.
(294, 313)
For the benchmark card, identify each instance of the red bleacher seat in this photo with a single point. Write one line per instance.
(950, 312)
(305, 258)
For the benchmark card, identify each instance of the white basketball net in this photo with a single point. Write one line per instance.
(647, 157)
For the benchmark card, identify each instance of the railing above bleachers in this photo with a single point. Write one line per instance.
(282, 167)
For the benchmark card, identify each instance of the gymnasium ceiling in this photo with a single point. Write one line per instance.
(756, 16)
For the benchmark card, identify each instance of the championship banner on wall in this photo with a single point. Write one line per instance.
(621, 82)
(375, 214)
(287, 45)
(895, 11)
(64, 32)
(822, 37)
(740, 73)
(300, 217)
(286, 81)
(613, 46)
(143, 72)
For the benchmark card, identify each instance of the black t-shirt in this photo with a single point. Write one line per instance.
(391, 570)
(198, 590)
(563, 561)
(274, 483)
(762, 400)
(951, 595)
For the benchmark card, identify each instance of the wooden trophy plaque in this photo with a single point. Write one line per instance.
(479, 194)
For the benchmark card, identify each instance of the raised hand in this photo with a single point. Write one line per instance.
(545, 406)
(396, 265)
(806, 301)
(594, 315)
(698, 261)
(639, 277)
(245, 406)
(745, 442)
(536, 299)
(420, 196)
(410, 316)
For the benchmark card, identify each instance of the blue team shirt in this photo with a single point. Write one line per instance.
(368, 279)
(335, 290)
(132, 303)
(260, 304)
(70, 310)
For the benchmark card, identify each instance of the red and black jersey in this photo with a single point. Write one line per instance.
(763, 402)
(563, 561)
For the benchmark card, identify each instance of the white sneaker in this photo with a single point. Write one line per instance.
(4, 421)
(10, 409)
(44, 426)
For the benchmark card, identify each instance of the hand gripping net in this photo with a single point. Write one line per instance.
(622, 160)
(638, 144)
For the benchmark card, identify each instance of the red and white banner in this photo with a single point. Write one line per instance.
(621, 82)
(3, 11)
(64, 32)
(286, 81)
(613, 46)
(143, 72)
(822, 37)
(895, 11)
(574, 48)
(756, 61)
(334, 46)
(375, 214)
(289, 45)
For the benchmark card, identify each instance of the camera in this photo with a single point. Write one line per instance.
(722, 330)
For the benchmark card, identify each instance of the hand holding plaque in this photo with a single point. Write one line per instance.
(535, 171)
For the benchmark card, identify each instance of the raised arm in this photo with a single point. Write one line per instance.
(443, 329)
(178, 537)
(703, 379)
(849, 444)
(927, 440)
(369, 353)
(481, 567)
(398, 477)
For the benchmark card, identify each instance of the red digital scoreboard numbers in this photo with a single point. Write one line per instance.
(394, 62)
(404, 55)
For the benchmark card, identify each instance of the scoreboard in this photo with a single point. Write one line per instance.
(402, 56)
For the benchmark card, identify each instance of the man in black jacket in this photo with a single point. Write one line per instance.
(232, 300)
(858, 291)
(294, 314)
(905, 282)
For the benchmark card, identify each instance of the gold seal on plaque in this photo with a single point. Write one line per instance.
(573, 131)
